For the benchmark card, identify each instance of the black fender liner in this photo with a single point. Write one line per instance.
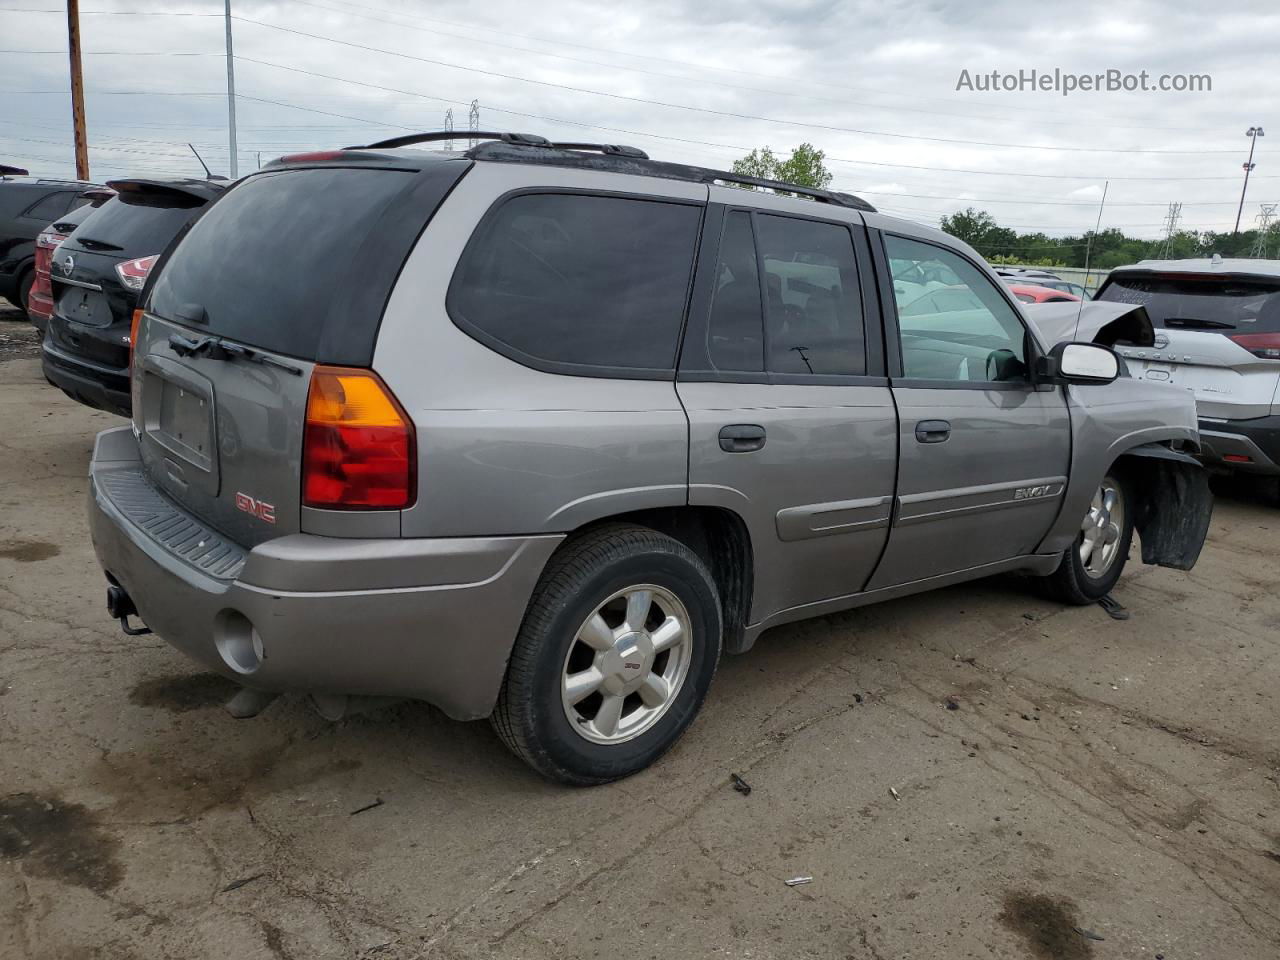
(1173, 507)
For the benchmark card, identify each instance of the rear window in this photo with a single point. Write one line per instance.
(273, 262)
(137, 225)
(1195, 303)
(571, 282)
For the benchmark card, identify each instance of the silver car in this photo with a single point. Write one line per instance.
(1218, 336)
(537, 431)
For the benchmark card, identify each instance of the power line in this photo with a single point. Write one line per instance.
(1002, 108)
(713, 112)
(685, 78)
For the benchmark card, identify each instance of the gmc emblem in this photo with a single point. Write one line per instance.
(265, 512)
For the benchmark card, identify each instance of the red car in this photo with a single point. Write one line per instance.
(40, 302)
(1028, 293)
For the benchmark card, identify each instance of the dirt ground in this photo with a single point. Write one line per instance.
(971, 773)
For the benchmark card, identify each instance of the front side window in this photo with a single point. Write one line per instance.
(953, 322)
(579, 280)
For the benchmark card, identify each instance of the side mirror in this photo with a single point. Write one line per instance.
(1081, 363)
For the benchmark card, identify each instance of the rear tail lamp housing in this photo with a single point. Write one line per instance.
(133, 273)
(1264, 345)
(358, 448)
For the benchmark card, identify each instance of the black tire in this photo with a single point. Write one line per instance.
(1072, 583)
(25, 283)
(530, 716)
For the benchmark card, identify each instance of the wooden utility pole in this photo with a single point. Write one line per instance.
(77, 90)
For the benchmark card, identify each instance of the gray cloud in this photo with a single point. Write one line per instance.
(807, 65)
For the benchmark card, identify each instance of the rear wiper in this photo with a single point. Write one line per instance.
(1196, 323)
(218, 349)
(93, 244)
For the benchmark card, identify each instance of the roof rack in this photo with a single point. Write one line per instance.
(616, 158)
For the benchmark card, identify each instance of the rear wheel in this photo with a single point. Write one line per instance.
(25, 283)
(1093, 563)
(614, 657)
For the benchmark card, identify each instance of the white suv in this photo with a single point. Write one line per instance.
(1217, 334)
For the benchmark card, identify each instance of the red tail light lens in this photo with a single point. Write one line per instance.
(358, 447)
(1265, 345)
(133, 273)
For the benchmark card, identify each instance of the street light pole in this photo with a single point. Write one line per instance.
(231, 95)
(1253, 133)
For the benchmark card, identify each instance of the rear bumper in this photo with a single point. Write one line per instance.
(1256, 439)
(428, 619)
(91, 384)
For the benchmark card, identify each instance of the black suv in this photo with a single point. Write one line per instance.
(97, 274)
(27, 206)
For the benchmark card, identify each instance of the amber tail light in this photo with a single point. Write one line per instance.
(358, 448)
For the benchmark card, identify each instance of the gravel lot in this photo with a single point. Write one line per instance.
(1115, 777)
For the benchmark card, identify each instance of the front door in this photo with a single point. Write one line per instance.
(789, 424)
(984, 451)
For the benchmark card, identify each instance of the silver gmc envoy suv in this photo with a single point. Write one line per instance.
(537, 431)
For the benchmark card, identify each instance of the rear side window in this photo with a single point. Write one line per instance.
(1200, 303)
(574, 281)
(50, 208)
(814, 316)
(137, 225)
(273, 263)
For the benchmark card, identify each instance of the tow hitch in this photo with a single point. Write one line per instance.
(120, 607)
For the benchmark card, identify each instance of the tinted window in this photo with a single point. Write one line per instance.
(271, 261)
(581, 280)
(953, 322)
(735, 332)
(814, 307)
(136, 225)
(1201, 303)
(49, 208)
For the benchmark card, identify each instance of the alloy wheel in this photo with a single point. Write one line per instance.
(627, 664)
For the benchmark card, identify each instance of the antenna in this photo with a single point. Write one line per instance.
(207, 174)
(1088, 250)
(1264, 226)
(1171, 227)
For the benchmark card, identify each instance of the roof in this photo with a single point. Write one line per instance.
(604, 157)
(1208, 265)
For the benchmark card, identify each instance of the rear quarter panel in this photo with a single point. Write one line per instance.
(1106, 421)
(504, 449)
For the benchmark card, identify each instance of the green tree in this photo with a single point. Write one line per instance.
(805, 166)
(970, 225)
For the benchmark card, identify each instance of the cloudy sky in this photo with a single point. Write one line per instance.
(699, 81)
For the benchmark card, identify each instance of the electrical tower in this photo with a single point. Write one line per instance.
(448, 128)
(1170, 228)
(1264, 225)
(473, 123)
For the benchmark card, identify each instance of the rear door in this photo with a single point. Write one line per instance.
(791, 423)
(984, 452)
(289, 268)
(1216, 335)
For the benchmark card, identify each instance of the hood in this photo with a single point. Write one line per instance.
(1093, 321)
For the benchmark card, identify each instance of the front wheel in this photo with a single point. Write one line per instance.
(1093, 563)
(613, 660)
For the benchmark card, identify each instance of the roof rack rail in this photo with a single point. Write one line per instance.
(565, 155)
(617, 158)
(435, 136)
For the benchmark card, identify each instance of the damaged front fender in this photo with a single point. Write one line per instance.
(1174, 504)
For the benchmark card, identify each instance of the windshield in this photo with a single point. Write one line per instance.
(1208, 303)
